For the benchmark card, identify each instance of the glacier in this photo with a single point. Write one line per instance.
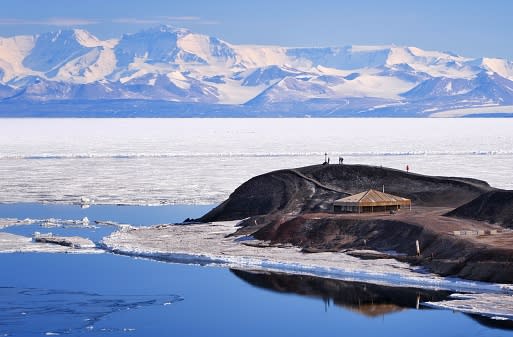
(174, 72)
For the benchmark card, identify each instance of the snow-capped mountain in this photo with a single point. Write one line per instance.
(175, 70)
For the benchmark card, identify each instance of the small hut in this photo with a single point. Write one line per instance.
(370, 201)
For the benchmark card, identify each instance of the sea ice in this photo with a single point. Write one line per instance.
(201, 161)
(11, 243)
(496, 306)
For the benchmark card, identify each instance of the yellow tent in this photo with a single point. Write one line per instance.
(370, 201)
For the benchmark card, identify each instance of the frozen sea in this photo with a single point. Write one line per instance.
(201, 161)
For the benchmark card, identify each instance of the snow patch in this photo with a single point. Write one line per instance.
(12, 52)
(488, 109)
(448, 87)
(499, 66)
(196, 44)
(91, 67)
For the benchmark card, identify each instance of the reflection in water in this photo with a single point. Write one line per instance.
(493, 323)
(41, 311)
(364, 298)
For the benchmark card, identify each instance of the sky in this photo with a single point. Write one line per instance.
(470, 28)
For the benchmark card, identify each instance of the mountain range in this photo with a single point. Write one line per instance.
(167, 71)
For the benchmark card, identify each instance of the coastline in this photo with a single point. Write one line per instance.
(212, 244)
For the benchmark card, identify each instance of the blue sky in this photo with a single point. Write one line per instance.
(470, 28)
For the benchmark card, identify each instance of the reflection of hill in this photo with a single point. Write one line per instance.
(493, 323)
(367, 299)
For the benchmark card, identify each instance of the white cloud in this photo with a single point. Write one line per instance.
(136, 21)
(70, 22)
(194, 20)
(49, 22)
(182, 18)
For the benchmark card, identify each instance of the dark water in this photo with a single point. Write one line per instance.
(110, 295)
(133, 215)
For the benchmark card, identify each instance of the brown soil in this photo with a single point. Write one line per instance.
(485, 257)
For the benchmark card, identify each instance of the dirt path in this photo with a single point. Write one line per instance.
(318, 183)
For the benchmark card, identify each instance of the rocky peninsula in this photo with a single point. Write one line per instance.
(463, 225)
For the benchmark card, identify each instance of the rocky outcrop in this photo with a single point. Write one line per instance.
(494, 207)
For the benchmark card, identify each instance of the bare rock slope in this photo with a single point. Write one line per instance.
(314, 188)
(494, 207)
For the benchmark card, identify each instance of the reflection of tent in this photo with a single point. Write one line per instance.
(373, 310)
(370, 201)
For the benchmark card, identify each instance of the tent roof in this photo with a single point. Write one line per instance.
(372, 198)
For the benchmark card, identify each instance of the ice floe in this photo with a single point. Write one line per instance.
(11, 243)
(59, 223)
(495, 306)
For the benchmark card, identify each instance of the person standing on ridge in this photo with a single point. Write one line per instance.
(407, 168)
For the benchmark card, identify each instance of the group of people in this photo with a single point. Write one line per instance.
(327, 160)
(341, 161)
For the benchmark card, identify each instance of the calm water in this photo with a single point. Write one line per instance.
(65, 214)
(104, 295)
(110, 295)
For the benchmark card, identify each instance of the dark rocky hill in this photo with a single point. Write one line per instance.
(494, 207)
(314, 188)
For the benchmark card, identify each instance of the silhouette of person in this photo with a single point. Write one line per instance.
(407, 168)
